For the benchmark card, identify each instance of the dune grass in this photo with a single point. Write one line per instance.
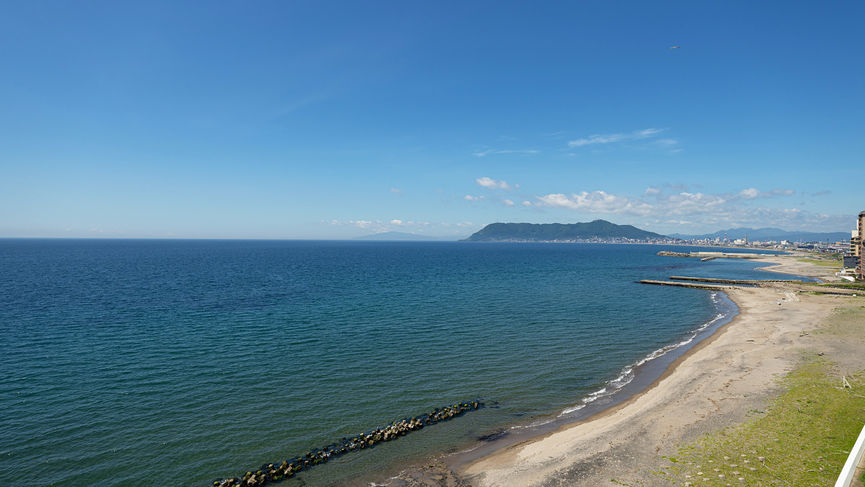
(822, 262)
(851, 285)
(803, 438)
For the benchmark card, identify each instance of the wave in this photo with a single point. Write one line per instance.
(627, 375)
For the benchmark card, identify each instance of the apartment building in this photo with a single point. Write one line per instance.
(860, 248)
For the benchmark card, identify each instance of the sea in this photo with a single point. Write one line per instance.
(166, 362)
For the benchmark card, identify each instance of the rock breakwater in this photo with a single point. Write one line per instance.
(706, 256)
(667, 253)
(276, 472)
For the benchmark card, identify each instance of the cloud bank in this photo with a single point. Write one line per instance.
(696, 209)
(427, 228)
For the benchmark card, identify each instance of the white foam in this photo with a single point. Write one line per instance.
(535, 424)
(593, 396)
(572, 409)
(627, 374)
(468, 450)
(389, 480)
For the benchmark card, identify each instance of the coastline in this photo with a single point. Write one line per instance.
(709, 387)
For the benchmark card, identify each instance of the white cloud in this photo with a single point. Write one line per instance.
(679, 186)
(490, 183)
(753, 193)
(640, 134)
(410, 223)
(666, 142)
(469, 197)
(608, 138)
(594, 202)
(527, 203)
(700, 209)
(484, 153)
(750, 193)
(382, 226)
(394, 190)
(597, 139)
(353, 223)
(508, 202)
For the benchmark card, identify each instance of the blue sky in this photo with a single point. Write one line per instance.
(332, 120)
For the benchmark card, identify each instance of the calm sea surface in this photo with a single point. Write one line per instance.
(134, 362)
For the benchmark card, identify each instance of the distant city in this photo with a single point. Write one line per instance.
(848, 250)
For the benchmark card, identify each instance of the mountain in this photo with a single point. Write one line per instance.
(546, 232)
(763, 234)
(402, 236)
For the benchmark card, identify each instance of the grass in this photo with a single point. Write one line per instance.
(822, 262)
(848, 285)
(845, 322)
(817, 286)
(803, 438)
(817, 289)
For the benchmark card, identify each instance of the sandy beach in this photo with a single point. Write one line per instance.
(711, 387)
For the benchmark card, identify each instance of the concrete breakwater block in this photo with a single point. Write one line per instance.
(667, 253)
(276, 472)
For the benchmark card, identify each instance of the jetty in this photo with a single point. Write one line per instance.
(707, 256)
(692, 285)
(731, 281)
(792, 286)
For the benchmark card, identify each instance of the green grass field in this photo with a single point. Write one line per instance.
(803, 438)
(823, 262)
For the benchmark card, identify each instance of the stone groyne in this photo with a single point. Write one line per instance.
(666, 253)
(276, 472)
(776, 284)
(752, 282)
(693, 285)
(706, 256)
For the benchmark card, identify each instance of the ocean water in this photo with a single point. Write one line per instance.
(139, 362)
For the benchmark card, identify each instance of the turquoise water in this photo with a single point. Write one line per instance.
(177, 362)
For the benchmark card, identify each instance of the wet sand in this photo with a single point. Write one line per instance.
(712, 386)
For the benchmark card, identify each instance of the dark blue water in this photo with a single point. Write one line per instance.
(131, 362)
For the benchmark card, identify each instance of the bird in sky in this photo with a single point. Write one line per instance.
(675, 47)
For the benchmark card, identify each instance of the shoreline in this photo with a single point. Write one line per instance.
(644, 376)
(710, 386)
(440, 468)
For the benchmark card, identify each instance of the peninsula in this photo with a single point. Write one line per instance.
(560, 232)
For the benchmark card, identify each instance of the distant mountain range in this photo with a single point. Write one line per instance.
(402, 236)
(763, 234)
(546, 232)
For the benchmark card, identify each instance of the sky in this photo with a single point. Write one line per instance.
(333, 120)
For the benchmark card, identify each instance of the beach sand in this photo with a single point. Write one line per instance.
(712, 386)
